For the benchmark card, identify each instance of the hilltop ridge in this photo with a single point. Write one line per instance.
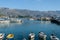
(25, 12)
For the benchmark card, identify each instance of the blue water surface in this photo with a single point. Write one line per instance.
(22, 30)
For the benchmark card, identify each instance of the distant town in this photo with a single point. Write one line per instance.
(12, 14)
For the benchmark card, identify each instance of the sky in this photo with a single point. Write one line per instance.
(41, 5)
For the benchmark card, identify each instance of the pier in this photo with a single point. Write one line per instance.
(55, 20)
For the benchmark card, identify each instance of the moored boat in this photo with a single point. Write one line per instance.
(31, 18)
(14, 20)
(53, 37)
(42, 35)
(19, 21)
(31, 36)
(1, 36)
(3, 21)
(10, 37)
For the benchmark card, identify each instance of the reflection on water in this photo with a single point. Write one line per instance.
(4, 25)
(45, 22)
(23, 30)
(9, 24)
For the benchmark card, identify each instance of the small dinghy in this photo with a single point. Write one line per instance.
(42, 36)
(10, 37)
(1, 36)
(31, 36)
(53, 37)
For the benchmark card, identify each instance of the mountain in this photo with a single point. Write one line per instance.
(25, 12)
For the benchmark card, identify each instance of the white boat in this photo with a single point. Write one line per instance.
(42, 35)
(14, 20)
(31, 19)
(19, 21)
(2, 20)
(31, 35)
(53, 37)
(1, 36)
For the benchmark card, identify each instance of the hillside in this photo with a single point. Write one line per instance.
(21, 12)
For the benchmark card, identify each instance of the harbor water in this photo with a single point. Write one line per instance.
(22, 30)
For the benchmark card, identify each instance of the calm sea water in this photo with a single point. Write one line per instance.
(22, 30)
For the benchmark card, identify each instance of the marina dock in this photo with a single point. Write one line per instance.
(53, 20)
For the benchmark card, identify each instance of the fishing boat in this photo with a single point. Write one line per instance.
(31, 36)
(10, 37)
(53, 37)
(1, 36)
(42, 35)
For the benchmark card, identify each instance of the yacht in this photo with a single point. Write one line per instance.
(2, 20)
(42, 35)
(19, 21)
(15, 20)
(31, 18)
